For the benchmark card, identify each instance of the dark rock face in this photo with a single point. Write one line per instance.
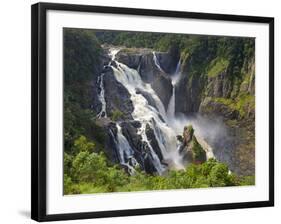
(189, 91)
(169, 60)
(163, 88)
(117, 96)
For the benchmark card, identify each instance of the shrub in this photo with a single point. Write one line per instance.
(116, 115)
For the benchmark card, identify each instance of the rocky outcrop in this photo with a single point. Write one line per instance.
(191, 150)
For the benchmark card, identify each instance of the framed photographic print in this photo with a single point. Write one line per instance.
(138, 111)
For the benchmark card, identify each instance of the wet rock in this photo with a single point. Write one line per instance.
(129, 57)
(114, 64)
(148, 97)
(153, 142)
(141, 149)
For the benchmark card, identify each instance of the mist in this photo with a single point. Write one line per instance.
(212, 130)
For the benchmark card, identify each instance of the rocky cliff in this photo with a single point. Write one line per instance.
(223, 86)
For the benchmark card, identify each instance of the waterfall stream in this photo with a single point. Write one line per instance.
(125, 152)
(172, 103)
(101, 97)
(156, 62)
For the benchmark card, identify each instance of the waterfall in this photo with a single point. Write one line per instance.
(125, 152)
(156, 62)
(172, 103)
(147, 115)
(101, 97)
(178, 67)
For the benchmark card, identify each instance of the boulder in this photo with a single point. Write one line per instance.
(190, 149)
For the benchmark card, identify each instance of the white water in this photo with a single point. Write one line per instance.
(172, 103)
(101, 97)
(156, 62)
(147, 115)
(126, 153)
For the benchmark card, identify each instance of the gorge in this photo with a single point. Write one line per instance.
(159, 110)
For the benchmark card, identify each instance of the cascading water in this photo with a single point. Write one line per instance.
(156, 62)
(147, 115)
(125, 152)
(172, 103)
(101, 97)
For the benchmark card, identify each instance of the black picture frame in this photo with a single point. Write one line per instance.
(38, 108)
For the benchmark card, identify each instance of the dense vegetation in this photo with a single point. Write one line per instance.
(81, 59)
(89, 171)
